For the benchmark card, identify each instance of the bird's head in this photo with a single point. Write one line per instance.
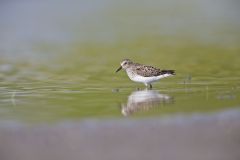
(126, 63)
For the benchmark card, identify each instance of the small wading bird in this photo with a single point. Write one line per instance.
(143, 73)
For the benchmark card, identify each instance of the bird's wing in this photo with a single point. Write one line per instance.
(147, 71)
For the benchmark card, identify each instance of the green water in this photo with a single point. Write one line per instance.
(86, 85)
(45, 81)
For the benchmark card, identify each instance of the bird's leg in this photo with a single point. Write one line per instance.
(150, 86)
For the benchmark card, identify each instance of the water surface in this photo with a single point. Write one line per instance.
(59, 65)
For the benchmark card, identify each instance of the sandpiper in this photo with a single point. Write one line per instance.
(144, 73)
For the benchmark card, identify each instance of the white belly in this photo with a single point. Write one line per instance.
(146, 80)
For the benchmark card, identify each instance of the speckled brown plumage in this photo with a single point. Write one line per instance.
(149, 71)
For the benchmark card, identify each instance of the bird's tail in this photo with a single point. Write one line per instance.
(171, 72)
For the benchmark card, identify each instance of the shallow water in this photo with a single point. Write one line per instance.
(60, 97)
(61, 65)
(88, 87)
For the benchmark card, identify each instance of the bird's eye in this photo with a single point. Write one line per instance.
(125, 63)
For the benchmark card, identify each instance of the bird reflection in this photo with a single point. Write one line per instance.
(143, 101)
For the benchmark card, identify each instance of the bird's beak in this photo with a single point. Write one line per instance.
(119, 69)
